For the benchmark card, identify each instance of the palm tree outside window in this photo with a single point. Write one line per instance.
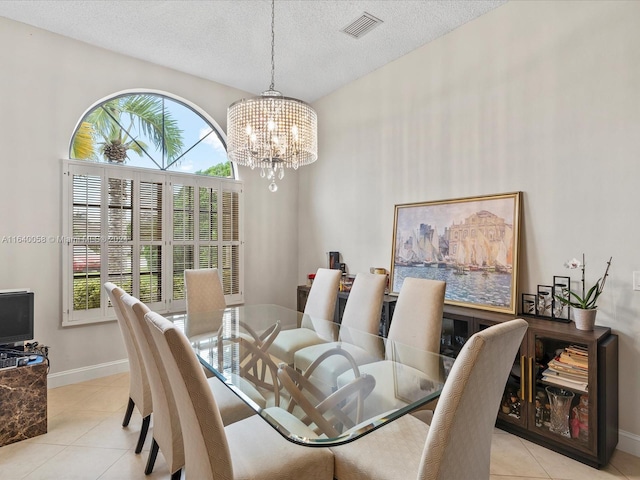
(151, 131)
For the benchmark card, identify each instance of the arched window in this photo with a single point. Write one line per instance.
(148, 192)
(151, 130)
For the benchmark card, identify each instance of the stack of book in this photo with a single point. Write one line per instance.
(569, 369)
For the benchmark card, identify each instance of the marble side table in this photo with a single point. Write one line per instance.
(23, 403)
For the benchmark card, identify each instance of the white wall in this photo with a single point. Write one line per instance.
(540, 97)
(46, 83)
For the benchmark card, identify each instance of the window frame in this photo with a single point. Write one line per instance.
(105, 170)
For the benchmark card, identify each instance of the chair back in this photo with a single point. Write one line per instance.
(364, 304)
(205, 300)
(139, 388)
(207, 451)
(417, 318)
(203, 290)
(166, 424)
(321, 302)
(458, 444)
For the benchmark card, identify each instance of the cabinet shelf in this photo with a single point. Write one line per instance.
(593, 415)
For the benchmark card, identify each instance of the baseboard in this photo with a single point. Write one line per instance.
(629, 443)
(77, 375)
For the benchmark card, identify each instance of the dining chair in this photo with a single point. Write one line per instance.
(204, 297)
(139, 389)
(167, 435)
(247, 449)
(457, 444)
(416, 328)
(203, 290)
(358, 332)
(318, 312)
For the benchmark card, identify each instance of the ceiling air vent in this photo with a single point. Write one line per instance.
(361, 25)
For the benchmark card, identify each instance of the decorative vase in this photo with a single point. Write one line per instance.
(585, 319)
(560, 401)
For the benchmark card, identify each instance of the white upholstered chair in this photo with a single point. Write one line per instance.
(139, 389)
(358, 332)
(167, 435)
(248, 449)
(320, 308)
(203, 290)
(457, 444)
(205, 301)
(416, 327)
(204, 297)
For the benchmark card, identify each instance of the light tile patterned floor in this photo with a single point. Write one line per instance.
(87, 442)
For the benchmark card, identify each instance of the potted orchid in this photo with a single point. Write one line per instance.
(585, 304)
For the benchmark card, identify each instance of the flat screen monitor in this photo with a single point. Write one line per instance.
(16, 317)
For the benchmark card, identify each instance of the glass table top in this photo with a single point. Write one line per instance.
(342, 384)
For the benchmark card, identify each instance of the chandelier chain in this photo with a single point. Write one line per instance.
(273, 44)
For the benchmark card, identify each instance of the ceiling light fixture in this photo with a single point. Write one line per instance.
(272, 132)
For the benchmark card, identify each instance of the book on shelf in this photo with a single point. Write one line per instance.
(577, 350)
(559, 366)
(549, 372)
(572, 359)
(564, 382)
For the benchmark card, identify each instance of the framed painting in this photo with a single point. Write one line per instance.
(470, 243)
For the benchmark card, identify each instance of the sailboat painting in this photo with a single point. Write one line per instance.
(470, 243)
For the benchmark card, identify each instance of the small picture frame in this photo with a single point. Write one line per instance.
(528, 304)
(561, 287)
(544, 301)
(334, 260)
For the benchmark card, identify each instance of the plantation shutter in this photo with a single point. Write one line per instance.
(82, 243)
(231, 242)
(148, 256)
(206, 221)
(140, 230)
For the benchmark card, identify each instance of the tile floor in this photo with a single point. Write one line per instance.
(86, 441)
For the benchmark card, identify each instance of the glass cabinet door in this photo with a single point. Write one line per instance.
(455, 333)
(562, 409)
(513, 406)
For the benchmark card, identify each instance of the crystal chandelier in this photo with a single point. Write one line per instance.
(272, 132)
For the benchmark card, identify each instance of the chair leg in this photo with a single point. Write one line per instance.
(176, 475)
(152, 457)
(143, 433)
(127, 415)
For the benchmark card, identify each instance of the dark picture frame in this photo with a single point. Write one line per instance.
(471, 243)
(528, 304)
(544, 301)
(561, 288)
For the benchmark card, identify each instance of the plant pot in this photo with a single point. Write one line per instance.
(585, 319)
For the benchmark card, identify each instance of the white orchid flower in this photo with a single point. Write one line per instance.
(573, 264)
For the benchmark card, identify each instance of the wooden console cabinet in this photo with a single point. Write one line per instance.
(526, 407)
(23, 403)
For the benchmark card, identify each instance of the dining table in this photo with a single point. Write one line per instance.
(235, 344)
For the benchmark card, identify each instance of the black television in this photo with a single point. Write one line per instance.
(16, 316)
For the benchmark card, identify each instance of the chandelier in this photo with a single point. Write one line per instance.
(272, 132)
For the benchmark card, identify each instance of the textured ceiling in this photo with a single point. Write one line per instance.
(230, 41)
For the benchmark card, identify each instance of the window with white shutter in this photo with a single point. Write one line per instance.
(141, 229)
